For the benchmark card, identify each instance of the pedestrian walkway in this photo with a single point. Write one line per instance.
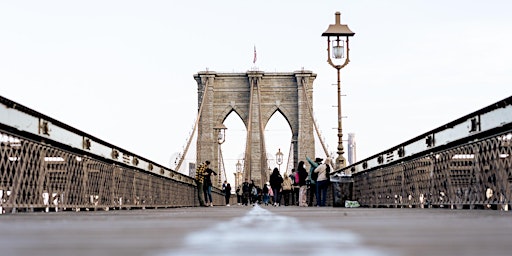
(259, 230)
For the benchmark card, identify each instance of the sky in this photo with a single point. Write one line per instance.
(123, 71)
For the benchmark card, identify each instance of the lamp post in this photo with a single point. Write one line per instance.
(279, 159)
(337, 34)
(238, 174)
(221, 137)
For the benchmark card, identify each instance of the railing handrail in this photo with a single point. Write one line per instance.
(477, 125)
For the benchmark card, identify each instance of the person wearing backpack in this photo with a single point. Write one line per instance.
(312, 178)
(287, 189)
(323, 180)
(246, 192)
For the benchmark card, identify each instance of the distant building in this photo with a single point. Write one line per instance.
(351, 152)
(192, 169)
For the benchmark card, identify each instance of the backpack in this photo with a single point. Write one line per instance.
(314, 175)
(328, 172)
(245, 187)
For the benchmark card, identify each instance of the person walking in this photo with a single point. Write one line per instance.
(287, 189)
(246, 192)
(322, 183)
(200, 172)
(227, 193)
(276, 181)
(208, 186)
(312, 182)
(302, 177)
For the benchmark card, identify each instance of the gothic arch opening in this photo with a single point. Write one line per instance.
(234, 146)
(278, 136)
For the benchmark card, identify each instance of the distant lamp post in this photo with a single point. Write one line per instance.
(238, 174)
(221, 137)
(337, 35)
(279, 159)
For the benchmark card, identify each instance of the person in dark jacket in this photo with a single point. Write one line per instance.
(227, 193)
(275, 183)
(208, 186)
(303, 175)
(312, 182)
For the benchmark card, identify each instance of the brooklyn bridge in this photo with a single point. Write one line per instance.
(446, 191)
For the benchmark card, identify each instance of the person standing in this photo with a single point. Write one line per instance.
(295, 187)
(208, 186)
(224, 186)
(287, 189)
(302, 177)
(265, 192)
(276, 181)
(227, 193)
(322, 183)
(312, 183)
(200, 172)
(239, 195)
(246, 192)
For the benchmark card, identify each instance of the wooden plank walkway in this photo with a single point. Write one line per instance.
(260, 230)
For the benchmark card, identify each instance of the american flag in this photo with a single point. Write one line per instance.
(254, 60)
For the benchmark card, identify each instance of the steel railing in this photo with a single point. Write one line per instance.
(46, 165)
(463, 164)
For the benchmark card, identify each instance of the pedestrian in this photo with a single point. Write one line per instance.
(254, 195)
(239, 194)
(200, 172)
(287, 189)
(312, 183)
(208, 186)
(302, 177)
(266, 196)
(252, 191)
(246, 192)
(295, 187)
(270, 194)
(322, 182)
(276, 181)
(224, 186)
(227, 193)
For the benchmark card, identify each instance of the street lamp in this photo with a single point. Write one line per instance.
(279, 159)
(337, 35)
(238, 173)
(221, 137)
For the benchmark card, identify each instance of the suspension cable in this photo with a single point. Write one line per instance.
(310, 109)
(205, 91)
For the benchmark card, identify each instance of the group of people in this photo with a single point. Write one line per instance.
(270, 194)
(291, 187)
(204, 184)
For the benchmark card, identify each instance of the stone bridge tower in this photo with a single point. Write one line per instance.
(255, 96)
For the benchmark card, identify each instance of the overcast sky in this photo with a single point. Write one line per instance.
(123, 70)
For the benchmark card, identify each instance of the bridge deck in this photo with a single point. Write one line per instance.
(259, 230)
